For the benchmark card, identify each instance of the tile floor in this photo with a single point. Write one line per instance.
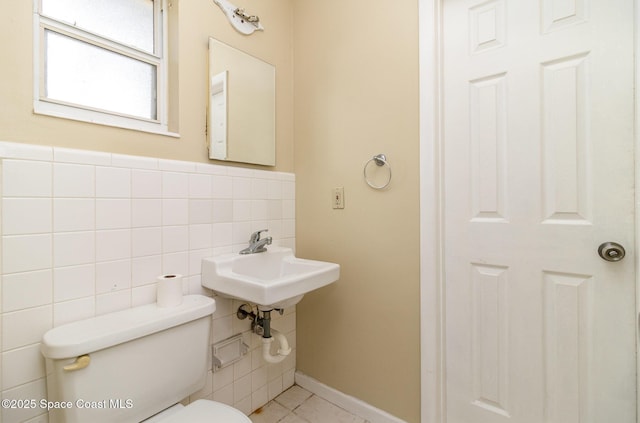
(297, 405)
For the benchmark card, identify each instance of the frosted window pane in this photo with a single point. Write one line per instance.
(83, 74)
(128, 22)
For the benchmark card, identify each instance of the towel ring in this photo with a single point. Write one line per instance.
(379, 160)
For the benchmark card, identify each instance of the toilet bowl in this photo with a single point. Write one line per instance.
(200, 411)
(133, 366)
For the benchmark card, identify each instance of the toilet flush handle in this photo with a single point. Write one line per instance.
(80, 363)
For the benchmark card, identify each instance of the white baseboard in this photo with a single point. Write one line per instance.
(347, 402)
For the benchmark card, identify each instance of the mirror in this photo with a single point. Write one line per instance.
(241, 120)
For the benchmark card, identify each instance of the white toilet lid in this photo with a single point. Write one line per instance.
(204, 411)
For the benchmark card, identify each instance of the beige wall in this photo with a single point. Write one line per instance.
(197, 21)
(356, 95)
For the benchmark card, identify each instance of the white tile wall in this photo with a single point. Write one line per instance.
(86, 233)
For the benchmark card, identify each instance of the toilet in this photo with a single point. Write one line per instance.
(134, 365)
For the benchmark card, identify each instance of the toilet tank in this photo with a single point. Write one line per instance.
(141, 361)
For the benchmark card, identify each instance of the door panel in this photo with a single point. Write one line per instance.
(538, 172)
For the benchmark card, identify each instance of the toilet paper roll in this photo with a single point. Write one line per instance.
(169, 290)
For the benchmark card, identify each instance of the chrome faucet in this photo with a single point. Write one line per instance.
(257, 244)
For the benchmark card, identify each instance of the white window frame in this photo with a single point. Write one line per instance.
(51, 107)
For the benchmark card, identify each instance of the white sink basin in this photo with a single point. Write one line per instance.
(272, 279)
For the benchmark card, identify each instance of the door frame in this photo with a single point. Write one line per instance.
(432, 334)
(432, 364)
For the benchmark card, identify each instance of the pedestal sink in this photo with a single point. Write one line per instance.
(273, 279)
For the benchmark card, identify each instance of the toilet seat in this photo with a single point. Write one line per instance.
(205, 411)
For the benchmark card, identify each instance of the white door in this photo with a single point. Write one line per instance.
(538, 172)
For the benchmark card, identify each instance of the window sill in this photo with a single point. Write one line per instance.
(98, 118)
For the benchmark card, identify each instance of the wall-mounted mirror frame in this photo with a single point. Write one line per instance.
(241, 117)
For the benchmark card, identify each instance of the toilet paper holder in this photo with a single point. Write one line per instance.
(228, 351)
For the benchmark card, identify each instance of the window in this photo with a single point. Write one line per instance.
(102, 62)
